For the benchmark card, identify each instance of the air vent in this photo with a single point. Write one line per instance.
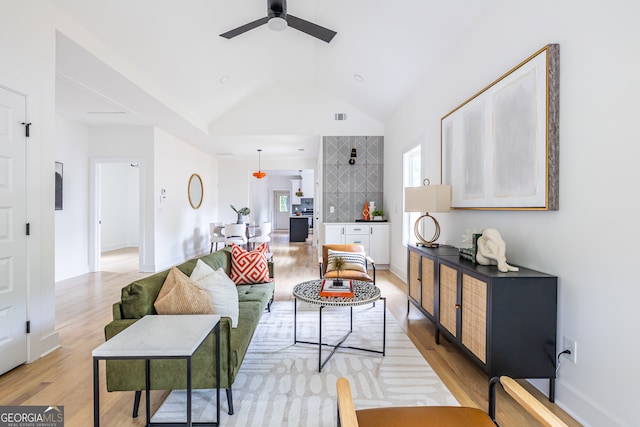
(341, 116)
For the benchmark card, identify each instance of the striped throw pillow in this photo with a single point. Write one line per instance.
(352, 260)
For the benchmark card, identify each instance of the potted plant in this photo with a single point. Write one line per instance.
(378, 215)
(241, 212)
(338, 265)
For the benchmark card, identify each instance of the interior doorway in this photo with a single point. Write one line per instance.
(116, 210)
(281, 209)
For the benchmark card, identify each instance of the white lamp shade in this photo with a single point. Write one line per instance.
(427, 198)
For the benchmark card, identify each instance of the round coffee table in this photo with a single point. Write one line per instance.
(363, 293)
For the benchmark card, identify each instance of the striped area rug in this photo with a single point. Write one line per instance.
(279, 383)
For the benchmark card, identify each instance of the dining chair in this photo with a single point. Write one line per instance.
(263, 234)
(215, 233)
(235, 233)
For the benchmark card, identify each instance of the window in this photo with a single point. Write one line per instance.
(412, 177)
(284, 203)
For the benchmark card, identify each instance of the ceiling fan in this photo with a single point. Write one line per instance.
(277, 19)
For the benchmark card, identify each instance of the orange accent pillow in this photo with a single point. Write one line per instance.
(181, 295)
(249, 267)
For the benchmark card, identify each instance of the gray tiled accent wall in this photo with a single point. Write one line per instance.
(347, 187)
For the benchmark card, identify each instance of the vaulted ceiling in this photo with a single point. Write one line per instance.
(194, 80)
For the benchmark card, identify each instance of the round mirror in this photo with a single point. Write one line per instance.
(196, 191)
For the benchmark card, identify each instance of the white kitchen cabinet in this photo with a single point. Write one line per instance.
(357, 234)
(307, 184)
(379, 243)
(334, 234)
(374, 238)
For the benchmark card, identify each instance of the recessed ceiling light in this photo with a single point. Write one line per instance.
(358, 78)
(300, 149)
(224, 79)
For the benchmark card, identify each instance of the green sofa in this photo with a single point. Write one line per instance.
(137, 301)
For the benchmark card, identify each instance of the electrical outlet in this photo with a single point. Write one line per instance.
(571, 345)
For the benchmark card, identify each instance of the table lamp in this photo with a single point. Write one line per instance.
(427, 198)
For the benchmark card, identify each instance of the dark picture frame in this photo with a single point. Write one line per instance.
(59, 181)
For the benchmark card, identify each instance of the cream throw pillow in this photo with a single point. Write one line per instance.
(180, 295)
(221, 288)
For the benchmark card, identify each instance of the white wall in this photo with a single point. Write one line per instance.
(119, 206)
(182, 232)
(260, 203)
(71, 223)
(234, 187)
(590, 243)
(294, 110)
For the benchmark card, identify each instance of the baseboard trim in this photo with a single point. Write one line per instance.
(43, 346)
(581, 408)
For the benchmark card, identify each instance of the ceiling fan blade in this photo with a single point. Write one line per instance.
(310, 28)
(244, 28)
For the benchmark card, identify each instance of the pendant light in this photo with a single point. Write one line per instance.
(259, 174)
(299, 193)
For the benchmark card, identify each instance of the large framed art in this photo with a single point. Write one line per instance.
(500, 147)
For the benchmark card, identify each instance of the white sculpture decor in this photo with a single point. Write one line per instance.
(491, 250)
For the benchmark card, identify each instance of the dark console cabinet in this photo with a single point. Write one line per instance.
(505, 322)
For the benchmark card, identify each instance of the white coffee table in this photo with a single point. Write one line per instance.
(160, 337)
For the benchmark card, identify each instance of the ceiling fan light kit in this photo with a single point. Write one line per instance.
(277, 24)
(277, 19)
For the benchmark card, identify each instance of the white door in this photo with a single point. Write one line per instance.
(13, 239)
(282, 210)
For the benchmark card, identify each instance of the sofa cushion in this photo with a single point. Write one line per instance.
(138, 297)
(181, 295)
(249, 267)
(218, 259)
(224, 295)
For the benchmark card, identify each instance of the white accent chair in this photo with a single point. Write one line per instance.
(262, 235)
(215, 233)
(235, 233)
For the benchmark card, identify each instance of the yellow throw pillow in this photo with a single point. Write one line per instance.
(181, 295)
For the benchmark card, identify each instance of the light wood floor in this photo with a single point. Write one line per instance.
(83, 308)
